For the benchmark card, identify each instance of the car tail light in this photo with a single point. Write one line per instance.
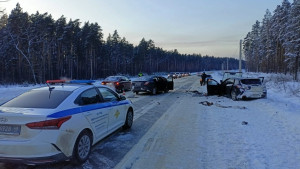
(117, 83)
(146, 83)
(48, 124)
(103, 83)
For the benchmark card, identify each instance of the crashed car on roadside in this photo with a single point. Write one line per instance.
(238, 88)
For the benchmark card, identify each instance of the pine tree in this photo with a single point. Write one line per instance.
(292, 38)
(265, 41)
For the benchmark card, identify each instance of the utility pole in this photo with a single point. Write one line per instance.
(240, 60)
(227, 64)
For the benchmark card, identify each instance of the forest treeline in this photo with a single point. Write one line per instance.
(273, 45)
(34, 48)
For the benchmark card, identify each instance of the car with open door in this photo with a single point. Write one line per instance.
(152, 84)
(60, 122)
(238, 88)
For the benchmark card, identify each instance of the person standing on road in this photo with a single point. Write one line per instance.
(203, 79)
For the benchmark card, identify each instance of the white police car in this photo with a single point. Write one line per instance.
(60, 122)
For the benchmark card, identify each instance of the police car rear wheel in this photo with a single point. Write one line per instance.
(82, 148)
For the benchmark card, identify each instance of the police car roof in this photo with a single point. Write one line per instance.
(68, 87)
(61, 87)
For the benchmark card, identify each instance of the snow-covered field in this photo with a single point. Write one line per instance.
(224, 134)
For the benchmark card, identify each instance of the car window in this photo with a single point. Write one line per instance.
(87, 97)
(212, 82)
(112, 78)
(228, 81)
(108, 95)
(144, 78)
(160, 79)
(39, 99)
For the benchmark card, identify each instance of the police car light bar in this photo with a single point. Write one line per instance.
(55, 81)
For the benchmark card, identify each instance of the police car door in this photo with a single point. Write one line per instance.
(116, 112)
(94, 111)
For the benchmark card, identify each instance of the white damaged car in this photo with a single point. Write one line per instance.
(238, 88)
(60, 122)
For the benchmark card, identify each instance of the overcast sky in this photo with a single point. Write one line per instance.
(207, 27)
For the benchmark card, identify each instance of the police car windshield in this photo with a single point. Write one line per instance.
(38, 99)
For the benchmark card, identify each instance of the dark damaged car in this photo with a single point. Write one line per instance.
(238, 88)
(119, 83)
(152, 84)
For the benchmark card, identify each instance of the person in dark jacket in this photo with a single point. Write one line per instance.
(203, 78)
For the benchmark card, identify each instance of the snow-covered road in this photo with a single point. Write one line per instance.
(255, 134)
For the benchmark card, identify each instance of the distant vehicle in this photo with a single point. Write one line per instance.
(152, 84)
(178, 74)
(60, 122)
(238, 88)
(172, 75)
(119, 83)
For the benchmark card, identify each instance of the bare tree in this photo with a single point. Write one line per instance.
(16, 44)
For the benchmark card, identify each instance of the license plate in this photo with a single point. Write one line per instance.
(10, 129)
